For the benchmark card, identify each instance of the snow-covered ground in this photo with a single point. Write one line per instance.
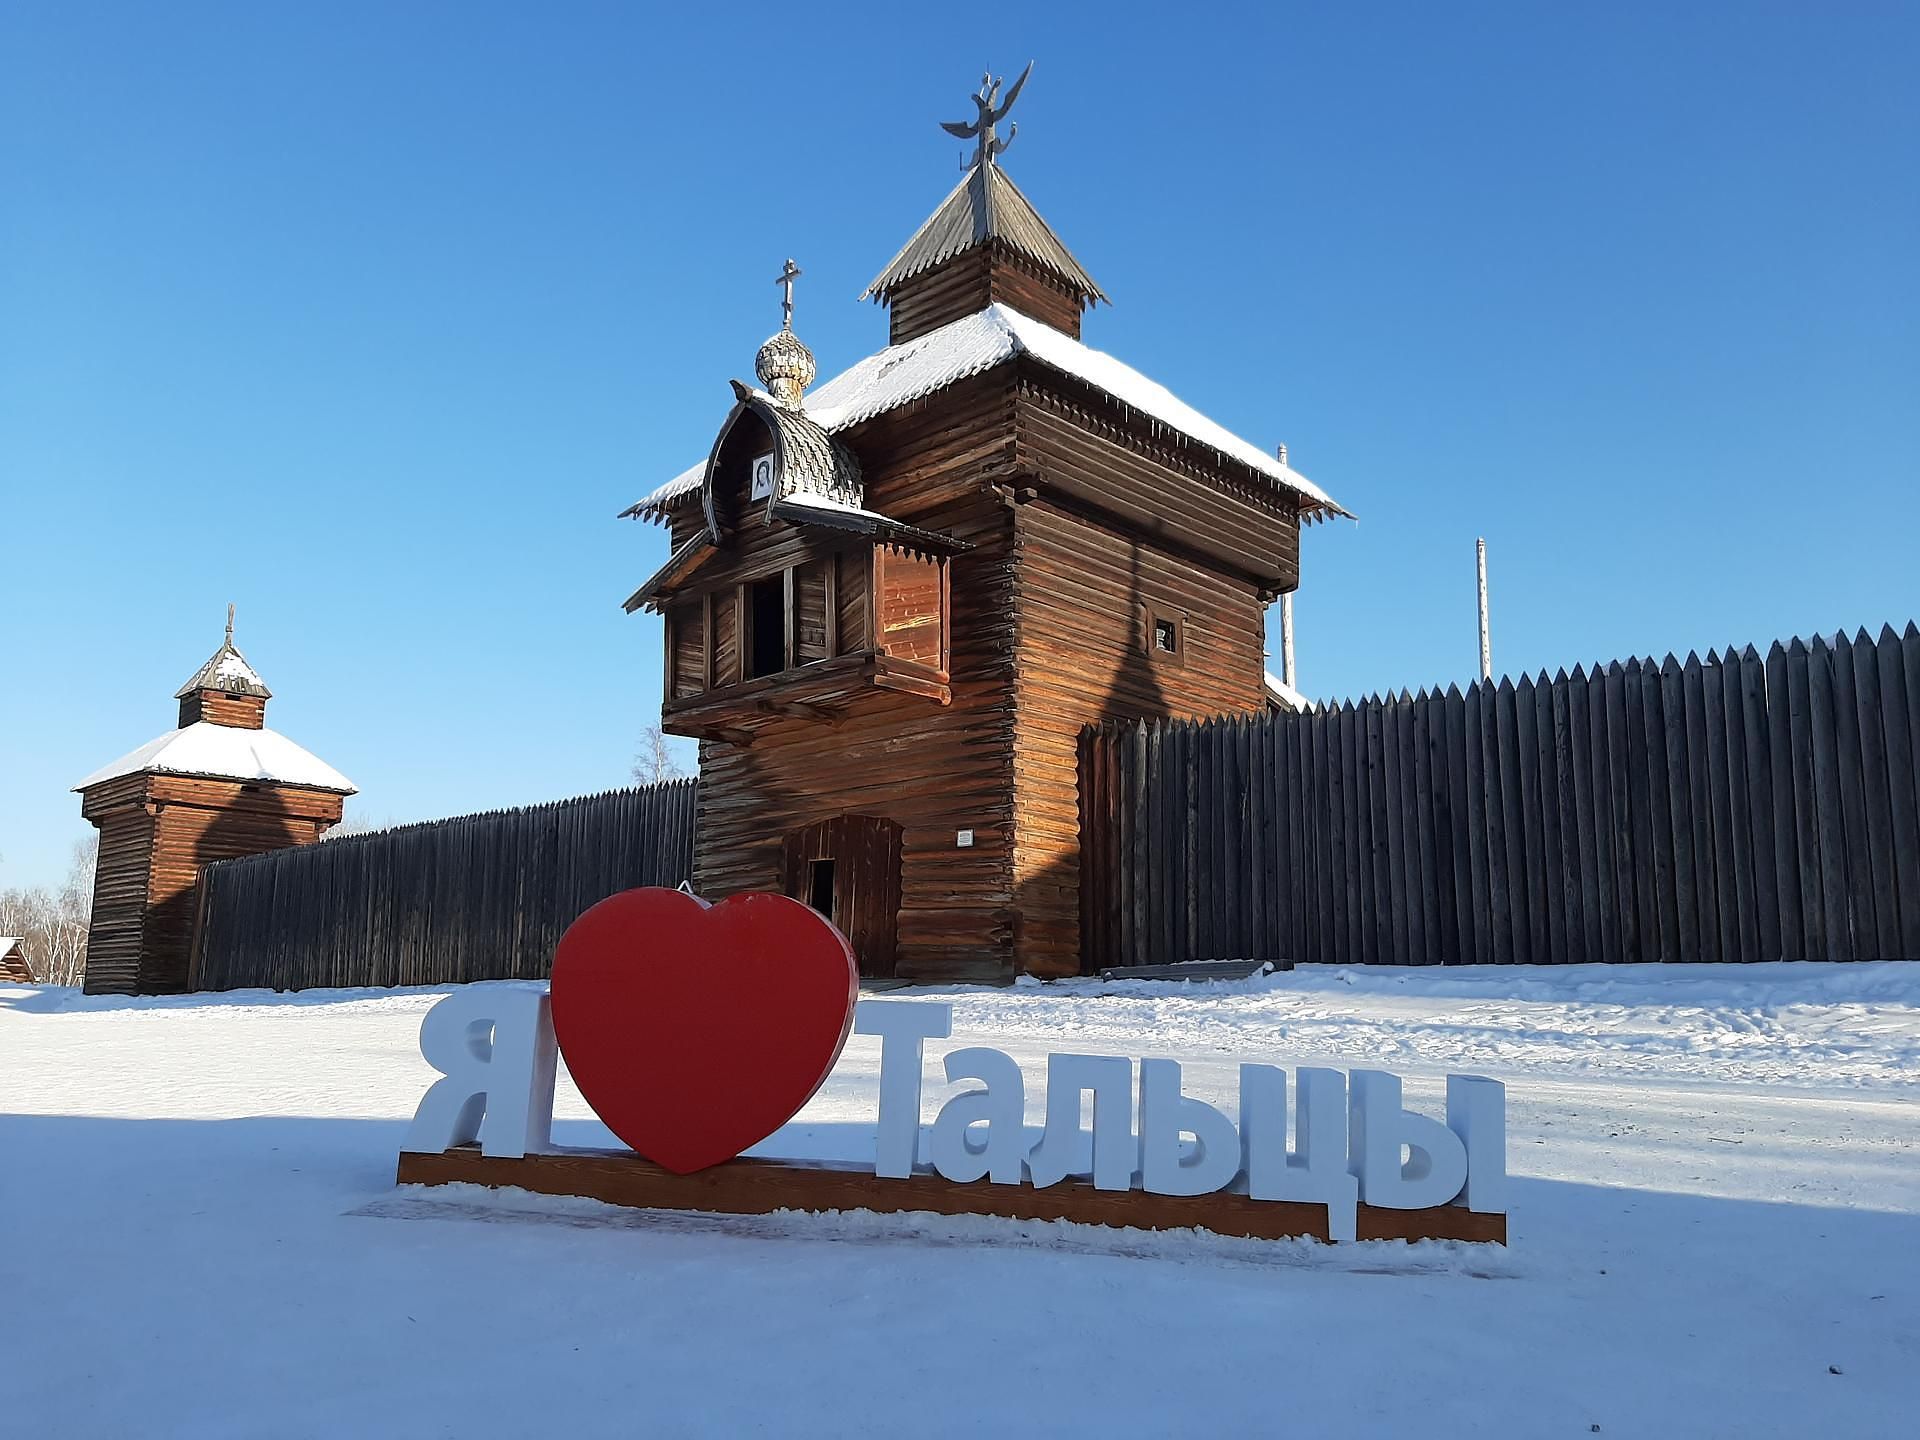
(1716, 1231)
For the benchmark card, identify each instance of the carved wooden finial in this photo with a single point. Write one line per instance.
(229, 622)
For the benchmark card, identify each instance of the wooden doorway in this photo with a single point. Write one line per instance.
(848, 868)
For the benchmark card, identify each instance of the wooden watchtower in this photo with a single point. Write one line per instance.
(219, 786)
(894, 601)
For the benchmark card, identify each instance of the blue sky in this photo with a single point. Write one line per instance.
(370, 317)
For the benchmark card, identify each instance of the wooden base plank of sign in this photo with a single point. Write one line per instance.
(750, 1186)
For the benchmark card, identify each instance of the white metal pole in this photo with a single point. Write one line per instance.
(1486, 645)
(1286, 639)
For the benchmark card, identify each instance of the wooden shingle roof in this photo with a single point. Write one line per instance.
(227, 671)
(985, 206)
(806, 459)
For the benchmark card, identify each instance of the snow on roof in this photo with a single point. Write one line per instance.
(685, 483)
(976, 343)
(225, 752)
(1289, 697)
(829, 511)
(226, 669)
(7, 942)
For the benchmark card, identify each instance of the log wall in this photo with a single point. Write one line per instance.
(931, 769)
(242, 712)
(972, 280)
(156, 831)
(1734, 809)
(119, 884)
(1119, 531)
(1088, 452)
(1086, 596)
(198, 822)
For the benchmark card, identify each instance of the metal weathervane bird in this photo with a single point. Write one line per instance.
(992, 110)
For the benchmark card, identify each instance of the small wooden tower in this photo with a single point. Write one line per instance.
(893, 603)
(219, 786)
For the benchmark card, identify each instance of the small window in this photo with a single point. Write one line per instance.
(1166, 634)
(820, 887)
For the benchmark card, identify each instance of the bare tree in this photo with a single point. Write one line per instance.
(52, 923)
(656, 760)
(77, 891)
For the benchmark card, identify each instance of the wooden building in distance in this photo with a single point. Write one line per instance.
(14, 969)
(219, 786)
(893, 601)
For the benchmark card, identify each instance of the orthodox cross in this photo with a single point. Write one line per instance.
(992, 110)
(789, 273)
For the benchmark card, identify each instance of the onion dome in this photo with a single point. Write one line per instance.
(785, 367)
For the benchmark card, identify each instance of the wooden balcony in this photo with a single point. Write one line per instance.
(818, 691)
(803, 639)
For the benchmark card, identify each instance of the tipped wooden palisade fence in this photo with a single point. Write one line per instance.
(478, 897)
(1731, 809)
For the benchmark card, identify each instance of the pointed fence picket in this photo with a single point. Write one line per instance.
(1740, 807)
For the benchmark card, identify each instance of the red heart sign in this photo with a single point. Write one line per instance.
(695, 1031)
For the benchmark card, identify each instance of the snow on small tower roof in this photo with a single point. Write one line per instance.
(227, 671)
(221, 752)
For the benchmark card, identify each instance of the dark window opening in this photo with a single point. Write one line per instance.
(820, 887)
(768, 599)
(1166, 635)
